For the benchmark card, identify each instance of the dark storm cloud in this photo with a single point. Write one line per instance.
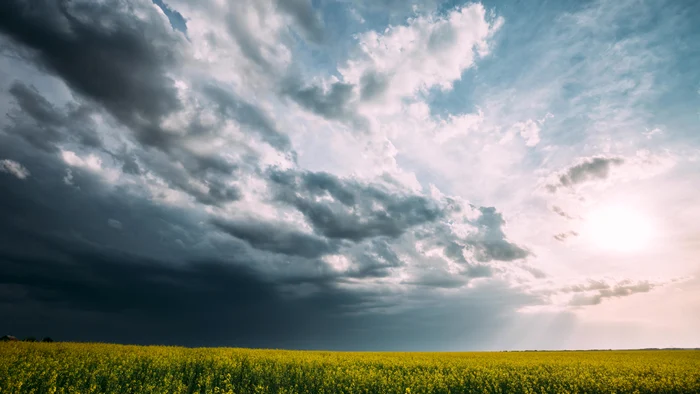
(203, 178)
(41, 124)
(277, 238)
(590, 169)
(104, 52)
(438, 279)
(232, 107)
(47, 205)
(304, 17)
(375, 261)
(490, 243)
(354, 212)
(123, 298)
(197, 303)
(602, 290)
(87, 260)
(99, 264)
(118, 62)
(130, 166)
(45, 127)
(125, 262)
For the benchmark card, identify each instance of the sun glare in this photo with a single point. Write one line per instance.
(619, 228)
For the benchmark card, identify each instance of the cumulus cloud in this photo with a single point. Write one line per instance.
(529, 130)
(596, 291)
(425, 52)
(587, 169)
(429, 51)
(14, 168)
(351, 210)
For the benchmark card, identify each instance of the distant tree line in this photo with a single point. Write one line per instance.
(10, 338)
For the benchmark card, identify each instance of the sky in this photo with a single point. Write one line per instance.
(351, 174)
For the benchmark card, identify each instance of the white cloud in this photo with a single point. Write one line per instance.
(429, 51)
(14, 168)
(651, 133)
(115, 224)
(529, 130)
(91, 162)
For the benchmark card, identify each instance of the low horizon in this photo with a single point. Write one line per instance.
(364, 351)
(420, 175)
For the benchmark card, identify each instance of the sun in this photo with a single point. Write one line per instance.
(618, 228)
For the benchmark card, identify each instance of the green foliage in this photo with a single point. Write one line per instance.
(97, 368)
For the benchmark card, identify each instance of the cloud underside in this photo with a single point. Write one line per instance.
(588, 169)
(595, 292)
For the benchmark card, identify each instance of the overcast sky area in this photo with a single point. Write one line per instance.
(351, 174)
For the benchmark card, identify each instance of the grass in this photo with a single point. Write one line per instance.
(100, 368)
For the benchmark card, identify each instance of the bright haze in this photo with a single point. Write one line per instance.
(351, 174)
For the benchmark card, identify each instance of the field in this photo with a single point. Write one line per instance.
(97, 368)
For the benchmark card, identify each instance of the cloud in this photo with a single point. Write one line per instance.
(133, 286)
(304, 17)
(176, 19)
(587, 169)
(490, 242)
(561, 212)
(14, 168)
(425, 52)
(428, 51)
(232, 107)
(38, 122)
(529, 130)
(347, 209)
(561, 237)
(595, 292)
(278, 238)
(124, 67)
(337, 101)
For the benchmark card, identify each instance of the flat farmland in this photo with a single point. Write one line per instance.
(101, 368)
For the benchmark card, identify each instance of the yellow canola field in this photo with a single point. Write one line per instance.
(99, 368)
